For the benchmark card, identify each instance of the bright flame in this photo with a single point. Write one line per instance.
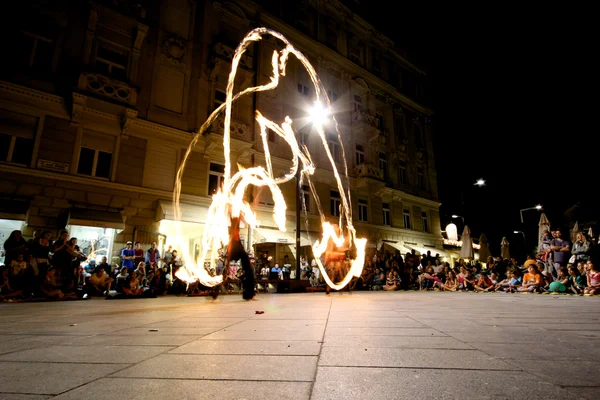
(228, 201)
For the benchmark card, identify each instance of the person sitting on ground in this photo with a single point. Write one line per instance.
(133, 289)
(140, 273)
(391, 283)
(122, 280)
(562, 281)
(451, 284)
(593, 279)
(484, 283)
(428, 278)
(532, 281)
(577, 282)
(6, 291)
(18, 267)
(469, 280)
(546, 274)
(513, 281)
(378, 280)
(106, 266)
(99, 283)
(158, 283)
(51, 287)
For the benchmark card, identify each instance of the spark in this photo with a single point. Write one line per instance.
(229, 200)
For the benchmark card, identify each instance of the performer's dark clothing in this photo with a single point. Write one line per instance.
(236, 252)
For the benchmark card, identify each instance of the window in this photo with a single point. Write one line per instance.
(220, 97)
(418, 134)
(306, 198)
(112, 62)
(407, 218)
(303, 90)
(17, 132)
(379, 120)
(363, 206)
(94, 163)
(357, 103)
(334, 148)
(335, 202)
(360, 154)
(402, 172)
(333, 96)
(425, 221)
(383, 165)
(420, 177)
(303, 20)
(216, 176)
(95, 155)
(331, 35)
(35, 47)
(376, 62)
(386, 214)
(355, 50)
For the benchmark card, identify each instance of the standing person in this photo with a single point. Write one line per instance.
(138, 253)
(128, 255)
(561, 250)
(15, 244)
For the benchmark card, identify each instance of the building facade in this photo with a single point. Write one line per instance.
(99, 101)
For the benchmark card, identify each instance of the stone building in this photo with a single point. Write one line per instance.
(100, 99)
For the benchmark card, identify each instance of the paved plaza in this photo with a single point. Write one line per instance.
(364, 345)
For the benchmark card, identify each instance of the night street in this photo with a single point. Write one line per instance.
(348, 346)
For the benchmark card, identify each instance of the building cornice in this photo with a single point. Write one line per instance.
(399, 195)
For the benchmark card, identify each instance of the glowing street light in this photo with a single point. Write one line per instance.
(480, 182)
(537, 207)
(318, 114)
(459, 216)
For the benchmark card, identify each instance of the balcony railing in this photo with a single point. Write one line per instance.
(226, 52)
(365, 170)
(107, 87)
(239, 130)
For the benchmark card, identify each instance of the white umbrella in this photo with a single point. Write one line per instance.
(504, 249)
(484, 248)
(590, 233)
(544, 225)
(575, 231)
(466, 251)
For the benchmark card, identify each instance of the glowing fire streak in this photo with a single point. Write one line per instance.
(228, 201)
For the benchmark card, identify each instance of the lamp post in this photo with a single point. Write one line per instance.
(461, 217)
(522, 233)
(317, 116)
(538, 207)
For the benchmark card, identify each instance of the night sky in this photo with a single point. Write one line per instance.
(509, 107)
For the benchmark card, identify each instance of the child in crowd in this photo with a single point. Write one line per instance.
(593, 279)
(451, 283)
(562, 281)
(484, 283)
(532, 281)
(577, 282)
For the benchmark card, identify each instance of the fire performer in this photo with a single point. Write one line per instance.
(235, 251)
(335, 263)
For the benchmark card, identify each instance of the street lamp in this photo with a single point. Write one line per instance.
(537, 207)
(461, 217)
(522, 233)
(480, 182)
(318, 115)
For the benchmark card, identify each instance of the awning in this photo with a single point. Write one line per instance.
(189, 212)
(403, 250)
(14, 209)
(99, 218)
(265, 235)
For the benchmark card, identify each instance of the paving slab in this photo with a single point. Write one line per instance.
(149, 339)
(408, 342)
(9, 346)
(16, 396)
(587, 393)
(563, 372)
(199, 366)
(96, 354)
(374, 331)
(391, 383)
(49, 378)
(242, 347)
(152, 389)
(410, 358)
(164, 331)
(386, 322)
(314, 335)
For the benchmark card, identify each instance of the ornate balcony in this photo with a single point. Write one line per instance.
(107, 87)
(369, 177)
(239, 130)
(368, 125)
(225, 52)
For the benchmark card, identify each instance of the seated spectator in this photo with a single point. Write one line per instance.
(577, 282)
(99, 283)
(392, 281)
(140, 273)
(484, 283)
(428, 278)
(512, 283)
(562, 281)
(158, 283)
(6, 291)
(546, 274)
(468, 280)
(378, 280)
(276, 273)
(106, 266)
(451, 283)
(122, 280)
(532, 281)
(90, 267)
(593, 279)
(133, 289)
(51, 286)
(18, 267)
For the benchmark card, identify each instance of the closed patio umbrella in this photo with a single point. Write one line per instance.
(544, 225)
(504, 249)
(484, 248)
(575, 231)
(466, 251)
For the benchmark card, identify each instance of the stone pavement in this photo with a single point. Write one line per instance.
(364, 345)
